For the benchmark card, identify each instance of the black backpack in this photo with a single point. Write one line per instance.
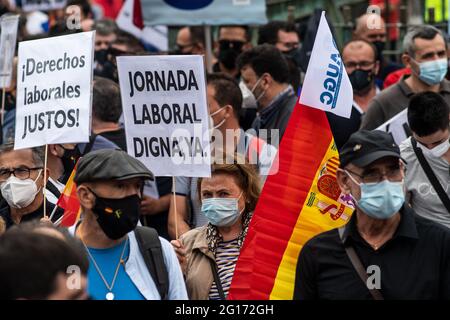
(151, 250)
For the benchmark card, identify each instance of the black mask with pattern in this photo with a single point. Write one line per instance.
(117, 217)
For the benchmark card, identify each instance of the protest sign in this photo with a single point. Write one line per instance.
(42, 5)
(54, 81)
(165, 113)
(8, 38)
(398, 127)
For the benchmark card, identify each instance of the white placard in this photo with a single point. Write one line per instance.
(54, 90)
(165, 113)
(397, 126)
(42, 5)
(326, 85)
(8, 38)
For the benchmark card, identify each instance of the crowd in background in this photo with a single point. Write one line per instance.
(203, 222)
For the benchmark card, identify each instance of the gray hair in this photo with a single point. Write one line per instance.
(38, 153)
(105, 27)
(422, 32)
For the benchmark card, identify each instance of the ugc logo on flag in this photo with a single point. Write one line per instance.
(335, 93)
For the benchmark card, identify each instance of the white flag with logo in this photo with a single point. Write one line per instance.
(326, 85)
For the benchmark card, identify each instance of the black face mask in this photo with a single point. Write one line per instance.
(117, 217)
(69, 159)
(101, 56)
(361, 80)
(380, 47)
(293, 55)
(228, 56)
(106, 67)
(10, 101)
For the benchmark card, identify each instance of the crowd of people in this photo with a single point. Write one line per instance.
(185, 244)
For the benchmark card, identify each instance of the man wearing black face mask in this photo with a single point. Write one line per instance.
(231, 42)
(61, 161)
(371, 27)
(105, 34)
(110, 184)
(361, 64)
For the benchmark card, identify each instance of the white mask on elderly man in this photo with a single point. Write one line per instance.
(19, 193)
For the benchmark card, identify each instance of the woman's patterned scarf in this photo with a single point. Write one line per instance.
(213, 237)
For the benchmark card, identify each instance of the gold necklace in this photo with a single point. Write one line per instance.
(109, 295)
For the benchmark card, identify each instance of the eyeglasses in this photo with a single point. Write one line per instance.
(20, 173)
(393, 175)
(236, 44)
(362, 64)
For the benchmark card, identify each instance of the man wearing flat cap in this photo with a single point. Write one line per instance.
(385, 251)
(110, 184)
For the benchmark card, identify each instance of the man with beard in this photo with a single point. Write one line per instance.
(231, 42)
(361, 64)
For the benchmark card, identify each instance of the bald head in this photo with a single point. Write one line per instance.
(358, 47)
(370, 27)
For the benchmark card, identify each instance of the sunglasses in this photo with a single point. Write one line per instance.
(236, 44)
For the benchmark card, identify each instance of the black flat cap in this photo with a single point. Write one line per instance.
(364, 147)
(110, 164)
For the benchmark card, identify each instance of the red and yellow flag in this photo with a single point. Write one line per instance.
(302, 200)
(69, 202)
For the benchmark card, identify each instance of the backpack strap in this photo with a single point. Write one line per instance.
(358, 266)
(215, 272)
(151, 250)
(430, 175)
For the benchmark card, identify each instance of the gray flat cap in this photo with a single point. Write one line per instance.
(110, 164)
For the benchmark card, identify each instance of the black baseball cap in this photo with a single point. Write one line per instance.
(364, 147)
(110, 164)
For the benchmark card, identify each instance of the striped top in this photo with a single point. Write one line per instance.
(227, 253)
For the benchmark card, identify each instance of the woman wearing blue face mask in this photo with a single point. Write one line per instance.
(208, 254)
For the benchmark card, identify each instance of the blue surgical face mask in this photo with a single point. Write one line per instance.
(380, 200)
(221, 212)
(433, 72)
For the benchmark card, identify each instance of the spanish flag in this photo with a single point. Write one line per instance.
(303, 199)
(69, 202)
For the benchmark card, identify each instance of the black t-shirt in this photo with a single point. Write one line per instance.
(116, 136)
(413, 265)
(5, 213)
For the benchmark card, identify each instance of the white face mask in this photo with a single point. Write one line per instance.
(257, 98)
(19, 193)
(437, 151)
(211, 119)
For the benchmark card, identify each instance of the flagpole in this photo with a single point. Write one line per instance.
(45, 180)
(53, 212)
(3, 104)
(208, 48)
(175, 206)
